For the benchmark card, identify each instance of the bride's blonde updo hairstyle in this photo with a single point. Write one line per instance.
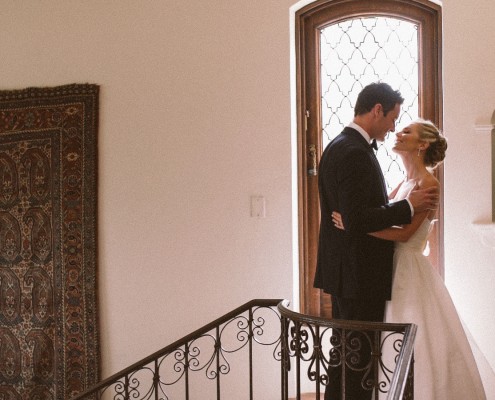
(428, 132)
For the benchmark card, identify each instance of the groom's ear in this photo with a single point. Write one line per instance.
(377, 109)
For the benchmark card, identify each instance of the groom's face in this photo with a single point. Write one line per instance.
(385, 123)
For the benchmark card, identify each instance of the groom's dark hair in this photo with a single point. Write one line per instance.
(377, 93)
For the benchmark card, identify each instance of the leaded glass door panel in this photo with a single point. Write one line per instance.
(360, 51)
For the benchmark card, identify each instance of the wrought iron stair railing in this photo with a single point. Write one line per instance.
(243, 354)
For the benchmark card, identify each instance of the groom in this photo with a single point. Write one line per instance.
(356, 268)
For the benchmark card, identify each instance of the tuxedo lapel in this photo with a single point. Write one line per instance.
(378, 169)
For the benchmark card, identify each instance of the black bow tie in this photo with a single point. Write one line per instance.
(373, 144)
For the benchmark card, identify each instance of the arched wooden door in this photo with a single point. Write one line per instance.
(341, 46)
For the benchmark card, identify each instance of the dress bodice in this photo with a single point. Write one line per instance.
(417, 241)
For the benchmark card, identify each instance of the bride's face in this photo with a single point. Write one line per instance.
(407, 140)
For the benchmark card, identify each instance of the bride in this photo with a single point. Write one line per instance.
(444, 363)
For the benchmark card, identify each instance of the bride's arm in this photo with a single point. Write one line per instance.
(404, 232)
(401, 233)
(395, 233)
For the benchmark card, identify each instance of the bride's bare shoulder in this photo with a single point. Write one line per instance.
(428, 180)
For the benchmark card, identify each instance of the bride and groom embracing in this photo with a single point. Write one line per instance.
(370, 249)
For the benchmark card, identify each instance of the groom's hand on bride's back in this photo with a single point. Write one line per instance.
(424, 199)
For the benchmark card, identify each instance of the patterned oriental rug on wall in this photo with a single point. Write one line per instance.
(49, 345)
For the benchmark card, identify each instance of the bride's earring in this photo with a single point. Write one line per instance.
(419, 152)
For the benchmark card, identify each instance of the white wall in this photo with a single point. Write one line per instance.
(195, 118)
(469, 100)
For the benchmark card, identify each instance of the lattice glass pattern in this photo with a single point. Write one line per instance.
(360, 51)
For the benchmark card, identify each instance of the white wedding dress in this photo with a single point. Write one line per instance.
(445, 368)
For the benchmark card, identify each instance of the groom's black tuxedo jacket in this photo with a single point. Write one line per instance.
(352, 264)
